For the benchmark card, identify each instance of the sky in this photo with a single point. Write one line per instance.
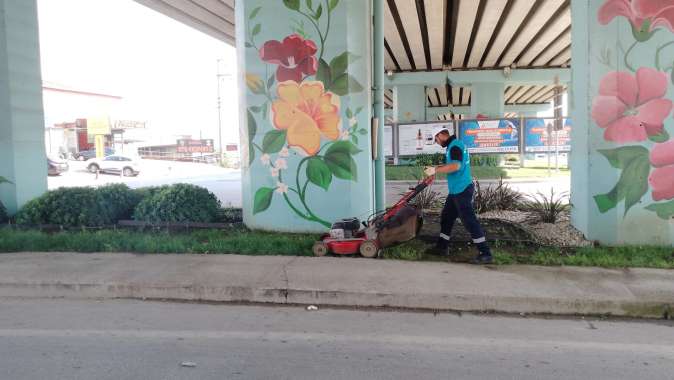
(164, 70)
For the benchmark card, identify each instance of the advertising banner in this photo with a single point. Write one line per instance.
(98, 126)
(418, 138)
(388, 141)
(541, 137)
(195, 146)
(490, 136)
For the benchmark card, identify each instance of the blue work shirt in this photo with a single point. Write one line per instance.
(457, 153)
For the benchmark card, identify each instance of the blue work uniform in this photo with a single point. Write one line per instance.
(459, 203)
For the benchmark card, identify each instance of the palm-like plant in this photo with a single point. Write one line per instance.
(544, 209)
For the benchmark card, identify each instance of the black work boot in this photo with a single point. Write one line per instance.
(484, 257)
(441, 248)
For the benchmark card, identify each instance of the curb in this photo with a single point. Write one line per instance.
(491, 180)
(290, 296)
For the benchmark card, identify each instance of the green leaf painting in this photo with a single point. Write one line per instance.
(663, 210)
(273, 141)
(340, 161)
(633, 182)
(292, 4)
(254, 13)
(319, 173)
(660, 137)
(262, 201)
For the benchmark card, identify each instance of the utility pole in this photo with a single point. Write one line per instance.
(219, 76)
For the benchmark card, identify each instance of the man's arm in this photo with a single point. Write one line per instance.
(456, 155)
(449, 168)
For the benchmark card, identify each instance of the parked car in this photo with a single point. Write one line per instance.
(115, 164)
(86, 155)
(56, 166)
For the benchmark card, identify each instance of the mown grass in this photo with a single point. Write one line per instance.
(209, 241)
(246, 242)
(605, 257)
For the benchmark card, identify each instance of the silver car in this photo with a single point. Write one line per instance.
(115, 164)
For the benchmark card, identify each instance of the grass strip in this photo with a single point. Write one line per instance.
(245, 242)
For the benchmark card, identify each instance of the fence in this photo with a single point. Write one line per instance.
(483, 136)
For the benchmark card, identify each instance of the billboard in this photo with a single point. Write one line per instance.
(490, 136)
(195, 146)
(541, 136)
(98, 126)
(388, 141)
(418, 138)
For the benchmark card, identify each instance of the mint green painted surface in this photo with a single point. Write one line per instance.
(622, 160)
(518, 76)
(22, 153)
(527, 110)
(409, 103)
(579, 105)
(289, 182)
(378, 69)
(487, 99)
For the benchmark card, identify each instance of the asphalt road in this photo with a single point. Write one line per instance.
(66, 339)
(226, 183)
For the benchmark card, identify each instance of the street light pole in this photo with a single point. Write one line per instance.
(219, 77)
(219, 112)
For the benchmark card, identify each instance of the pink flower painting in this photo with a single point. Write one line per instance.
(662, 178)
(644, 15)
(630, 108)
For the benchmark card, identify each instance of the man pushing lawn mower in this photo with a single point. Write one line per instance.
(459, 203)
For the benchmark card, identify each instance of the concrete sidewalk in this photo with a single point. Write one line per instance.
(340, 281)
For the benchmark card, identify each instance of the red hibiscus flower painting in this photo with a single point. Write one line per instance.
(655, 13)
(295, 57)
(631, 108)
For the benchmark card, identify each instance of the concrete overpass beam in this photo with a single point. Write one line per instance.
(409, 103)
(22, 146)
(487, 99)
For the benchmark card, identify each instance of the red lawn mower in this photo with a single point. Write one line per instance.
(396, 225)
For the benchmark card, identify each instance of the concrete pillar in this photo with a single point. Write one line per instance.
(487, 99)
(305, 111)
(409, 103)
(621, 104)
(22, 147)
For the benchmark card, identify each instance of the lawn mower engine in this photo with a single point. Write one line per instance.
(345, 228)
(396, 225)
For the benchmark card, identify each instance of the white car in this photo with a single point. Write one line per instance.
(115, 164)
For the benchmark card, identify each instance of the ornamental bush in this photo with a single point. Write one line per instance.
(69, 207)
(178, 203)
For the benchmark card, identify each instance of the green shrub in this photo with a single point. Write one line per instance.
(146, 192)
(118, 201)
(434, 159)
(485, 160)
(69, 207)
(178, 203)
(4, 217)
(3, 214)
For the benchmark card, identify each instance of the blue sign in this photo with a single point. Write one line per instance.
(540, 136)
(491, 136)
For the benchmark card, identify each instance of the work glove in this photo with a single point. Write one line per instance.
(429, 171)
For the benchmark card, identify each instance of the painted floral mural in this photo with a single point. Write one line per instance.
(631, 107)
(300, 113)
